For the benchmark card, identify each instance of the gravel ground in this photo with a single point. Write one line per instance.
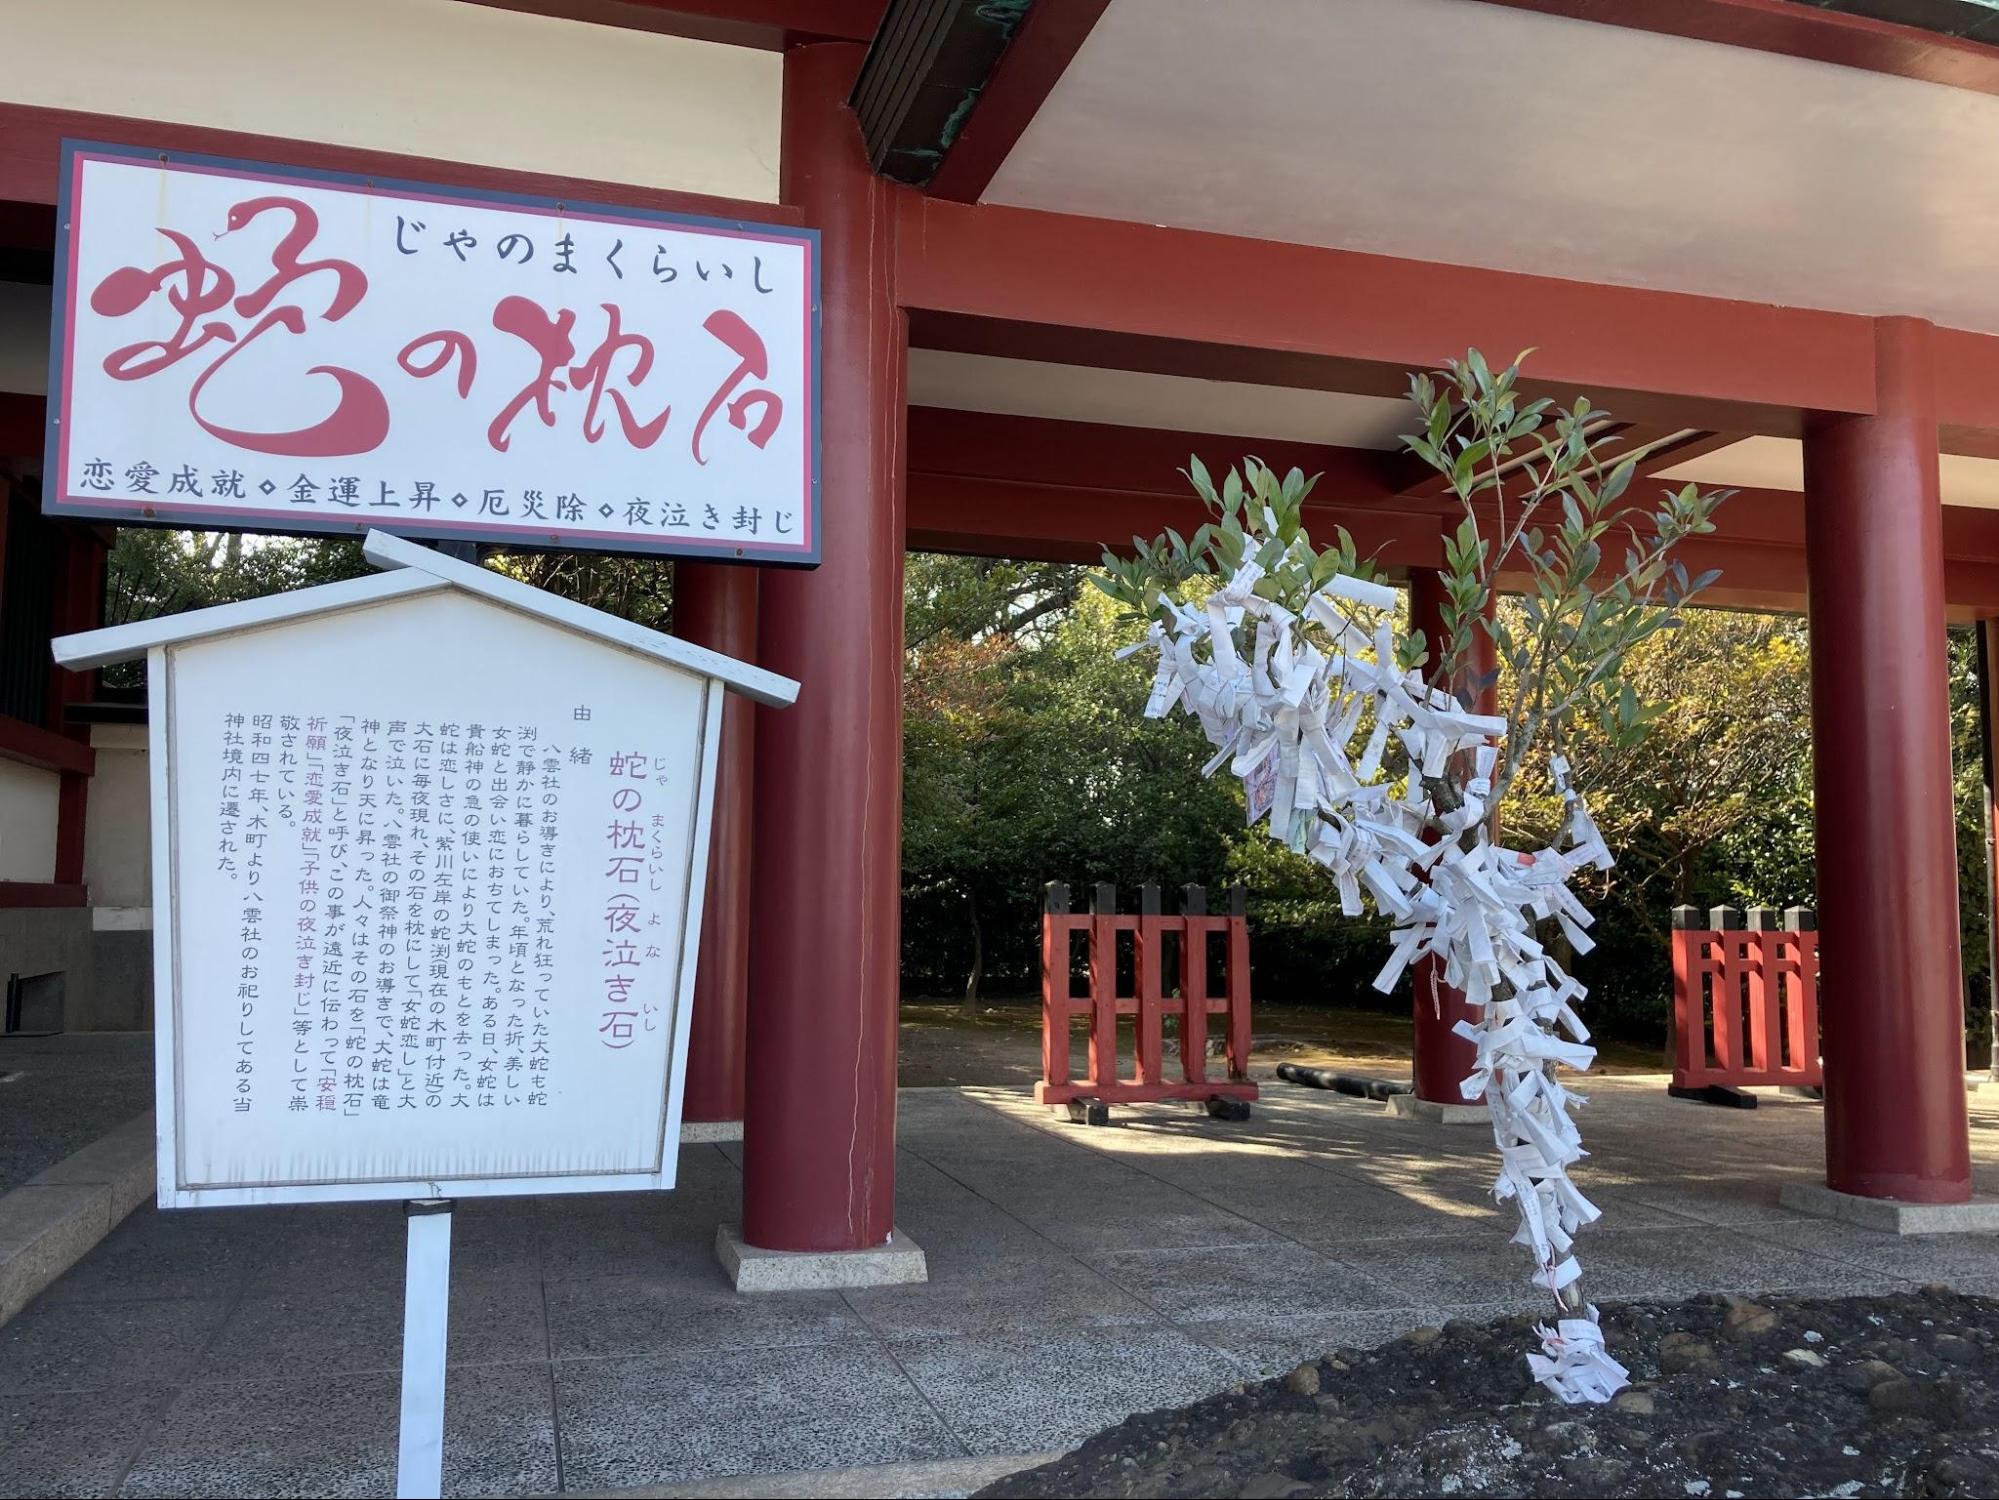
(1884, 1395)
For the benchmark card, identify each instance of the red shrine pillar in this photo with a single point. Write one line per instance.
(1443, 1058)
(715, 605)
(819, 1131)
(1886, 842)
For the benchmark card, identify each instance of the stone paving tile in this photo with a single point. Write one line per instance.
(681, 1313)
(1257, 1282)
(63, 1346)
(365, 1244)
(1958, 1259)
(1006, 1392)
(1651, 1263)
(642, 1239)
(72, 1089)
(1139, 1220)
(630, 1422)
(176, 1253)
(1732, 1201)
(1475, 1269)
(1051, 1290)
(74, 1442)
(1308, 1202)
(345, 1329)
(1266, 1348)
(337, 1437)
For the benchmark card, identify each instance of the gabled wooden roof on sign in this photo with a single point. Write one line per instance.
(409, 568)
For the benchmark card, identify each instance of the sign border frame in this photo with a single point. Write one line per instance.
(173, 1193)
(58, 502)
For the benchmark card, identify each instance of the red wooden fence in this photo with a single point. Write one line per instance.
(1148, 1002)
(1745, 998)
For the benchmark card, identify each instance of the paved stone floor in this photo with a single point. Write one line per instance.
(60, 1093)
(1077, 1275)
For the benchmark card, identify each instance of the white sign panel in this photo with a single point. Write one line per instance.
(241, 345)
(435, 871)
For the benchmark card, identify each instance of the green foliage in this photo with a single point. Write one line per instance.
(154, 572)
(1542, 489)
(1026, 758)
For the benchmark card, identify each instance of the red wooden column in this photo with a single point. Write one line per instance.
(715, 605)
(1893, 1024)
(1443, 1058)
(819, 1130)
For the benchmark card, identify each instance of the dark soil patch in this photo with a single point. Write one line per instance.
(1887, 1395)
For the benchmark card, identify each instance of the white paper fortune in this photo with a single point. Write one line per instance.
(1284, 719)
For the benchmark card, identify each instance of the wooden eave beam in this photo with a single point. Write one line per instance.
(1026, 73)
(1797, 30)
(1096, 291)
(767, 24)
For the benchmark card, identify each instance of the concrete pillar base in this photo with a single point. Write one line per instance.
(697, 1132)
(1431, 1112)
(1891, 1215)
(753, 1269)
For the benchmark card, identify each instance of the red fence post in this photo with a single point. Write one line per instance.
(1239, 1035)
(1194, 985)
(1150, 1021)
(1055, 926)
(1147, 1003)
(1103, 986)
(1745, 999)
(1802, 923)
(1689, 1011)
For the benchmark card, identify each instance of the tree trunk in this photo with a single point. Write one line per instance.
(971, 1005)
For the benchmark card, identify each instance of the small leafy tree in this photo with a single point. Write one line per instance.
(1289, 655)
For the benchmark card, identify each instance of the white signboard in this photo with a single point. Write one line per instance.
(241, 345)
(430, 867)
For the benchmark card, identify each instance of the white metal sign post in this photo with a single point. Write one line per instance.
(429, 853)
(426, 1316)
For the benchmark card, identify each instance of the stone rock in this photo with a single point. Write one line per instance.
(1271, 1487)
(1634, 1403)
(1747, 1320)
(1959, 1351)
(1304, 1380)
(1682, 1352)
(1868, 1373)
(1563, 1437)
(1897, 1397)
(1420, 1336)
(1805, 1359)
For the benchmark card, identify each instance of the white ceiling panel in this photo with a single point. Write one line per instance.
(1132, 398)
(1482, 135)
(1772, 463)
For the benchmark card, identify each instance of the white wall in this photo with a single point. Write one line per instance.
(435, 78)
(117, 858)
(27, 822)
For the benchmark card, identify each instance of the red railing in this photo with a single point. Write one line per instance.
(1745, 998)
(1147, 1001)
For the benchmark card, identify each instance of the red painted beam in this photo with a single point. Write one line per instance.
(995, 485)
(23, 424)
(1105, 456)
(30, 160)
(32, 745)
(18, 893)
(1099, 292)
(1796, 30)
(1028, 70)
(768, 24)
